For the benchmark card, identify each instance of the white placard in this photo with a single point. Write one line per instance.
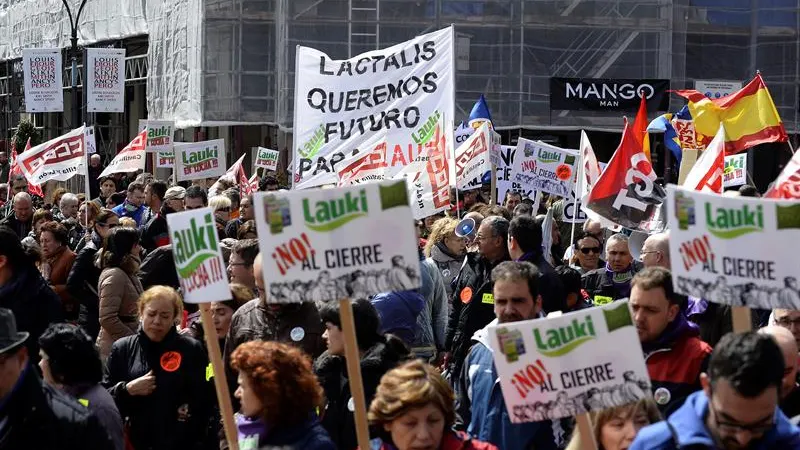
(105, 80)
(735, 173)
(196, 160)
(44, 89)
(58, 159)
(265, 158)
(545, 167)
(160, 135)
(505, 177)
(331, 244)
(165, 160)
(588, 360)
(198, 259)
(339, 104)
(472, 159)
(717, 89)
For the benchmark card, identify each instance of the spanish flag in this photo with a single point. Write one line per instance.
(749, 116)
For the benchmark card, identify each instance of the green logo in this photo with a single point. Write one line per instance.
(310, 148)
(159, 132)
(546, 156)
(426, 131)
(201, 156)
(562, 340)
(731, 223)
(194, 245)
(329, 215)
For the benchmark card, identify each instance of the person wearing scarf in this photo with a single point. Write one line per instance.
(673, 350)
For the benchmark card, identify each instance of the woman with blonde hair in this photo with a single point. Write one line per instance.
(414, 408)
(446, 250)
(616, 428)
(221, 205)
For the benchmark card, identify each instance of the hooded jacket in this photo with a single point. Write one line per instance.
(685, 429)
(674, 363)
(432, 320)
(483, 411)
(399, 312)
(331, 370)
(138, 214)
(604, 285)
(118, 292)
(448, 265)
(174, 415)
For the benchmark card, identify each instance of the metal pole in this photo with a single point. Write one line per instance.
(73, 22)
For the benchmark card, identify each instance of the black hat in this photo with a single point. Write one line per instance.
(10, 338)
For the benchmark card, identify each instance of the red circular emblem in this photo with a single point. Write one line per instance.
(171, 361)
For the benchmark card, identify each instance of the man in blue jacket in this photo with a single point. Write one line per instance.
(480, 402)
(133, 206)
(738, 406)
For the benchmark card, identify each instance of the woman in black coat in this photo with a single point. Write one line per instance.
(379, 354)
(157, 378)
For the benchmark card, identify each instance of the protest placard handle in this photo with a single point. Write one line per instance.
(220, 381)
(493, 187)
(584, 423)
(353, 359)
(741, 319)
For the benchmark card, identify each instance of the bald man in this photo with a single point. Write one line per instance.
(655, 251)
(790, 394)
(22, 215)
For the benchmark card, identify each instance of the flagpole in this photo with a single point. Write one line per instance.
(576, 192)
(86, 184)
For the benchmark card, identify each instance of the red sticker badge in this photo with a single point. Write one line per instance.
(171, 361)
(564, 172)
(466, 295)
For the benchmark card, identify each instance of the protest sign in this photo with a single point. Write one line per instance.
(734, 250)
(195, 160)
(472, 159)
(588, 360)
(129, 159)
(165, 159)
(265, 158)
(787, 185)
(369, 164)
(198, 259)
(160, 135)
(544, 167)
(330, 244)
(506, 181)
(105, 79)
(735, 173)
(88, 135)
(339, 104)
(58, 159)
(44, 90)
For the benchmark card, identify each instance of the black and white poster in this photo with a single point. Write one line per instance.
(607, 94)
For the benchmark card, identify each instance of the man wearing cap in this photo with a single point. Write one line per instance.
(155, 233)
(33, 414)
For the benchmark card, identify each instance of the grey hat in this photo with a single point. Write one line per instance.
(10, 338)
(175, 192)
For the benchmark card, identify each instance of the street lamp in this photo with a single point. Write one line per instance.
(76, 107)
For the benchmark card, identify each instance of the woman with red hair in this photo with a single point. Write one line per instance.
(279, 394)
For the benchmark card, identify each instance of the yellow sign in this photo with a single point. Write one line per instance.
(488, 299)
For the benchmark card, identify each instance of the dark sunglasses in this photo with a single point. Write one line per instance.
(110, 226)
(587, 250)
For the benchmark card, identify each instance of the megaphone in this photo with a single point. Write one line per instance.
(466, 229)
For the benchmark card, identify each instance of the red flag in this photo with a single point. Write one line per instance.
(640, 128)
(33, 189)
(626, 192)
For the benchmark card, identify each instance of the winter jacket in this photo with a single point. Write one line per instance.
(158, 269)
(714, 319)
(472, 308)
(331, 370)
(82, 284)
(483, 411)
(60, 266)
(399, 312)
(450, 441)
(34, 304)
(40, 417)
(118, 292)
(232, 228)
(174, 415)
(155, 233)
(309, 435)
(101, 404)
(685, 429)
(605, 286)
(554, 296)
(432, 320)
(138, 214)
(674, 363)
(21, 228)
(448, 265)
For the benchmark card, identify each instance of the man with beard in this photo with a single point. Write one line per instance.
(738, 406)
(480, 405)
(613, 281)
(155, 233)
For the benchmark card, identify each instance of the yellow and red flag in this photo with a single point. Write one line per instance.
(749, 116)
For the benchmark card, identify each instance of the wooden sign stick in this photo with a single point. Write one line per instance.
(584, 423)
(353, 359)
(741, 319)
(493, 187)
(220, 381)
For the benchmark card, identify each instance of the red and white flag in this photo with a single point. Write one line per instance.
(706, 174)
(252, 183)
(787, 185)
(57, 159)
(129, 159)
(367, 165)
(33, 189)
(590, 170)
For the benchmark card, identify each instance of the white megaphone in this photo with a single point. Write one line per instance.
(466, 229)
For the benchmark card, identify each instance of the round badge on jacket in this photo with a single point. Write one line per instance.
(465, 295)
(297, 334)
(171, 361)
(351, 405)
(662, 396)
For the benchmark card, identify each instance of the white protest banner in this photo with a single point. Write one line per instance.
(563, 366)
(472, 159)
(368, 164)
(58, 159)
(545, 167)
(734, 250)
(787, 185)
(88, 136)
(160, 135)
(129, 159)
(462, 133)
(339, 104)
(195, 160)
(105, 79)
(165, 160)
(572, 209)
(735, 170)
(198, 259)
(332, 244)
(505, 179)
(44, 90)
(265, 158)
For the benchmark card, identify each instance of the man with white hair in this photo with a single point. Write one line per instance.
(95, 169)
(69, 206)
(21, 218)
(790, 394)
(655, 251)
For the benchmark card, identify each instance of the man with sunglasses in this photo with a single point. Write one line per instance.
(613, 281)
(738, 406)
